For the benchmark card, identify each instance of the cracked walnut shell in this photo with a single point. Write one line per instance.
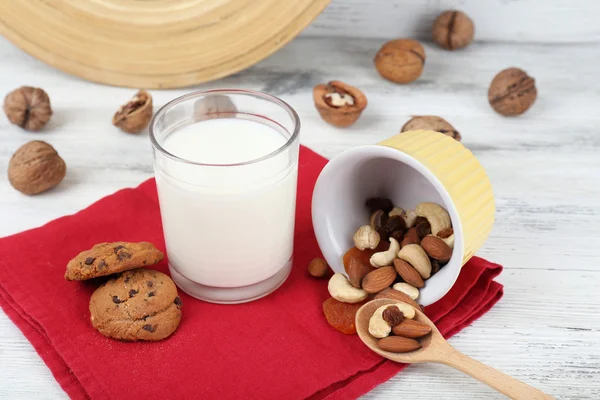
(35, 167)
(28, 107)
(431, 123)
(134, 116)
(338, 103)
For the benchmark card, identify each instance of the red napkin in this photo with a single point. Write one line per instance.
(279, 347)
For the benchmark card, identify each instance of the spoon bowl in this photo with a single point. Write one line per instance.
(434, 348)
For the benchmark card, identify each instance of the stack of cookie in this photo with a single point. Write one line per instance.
(137, 303)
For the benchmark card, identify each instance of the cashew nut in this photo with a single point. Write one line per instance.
(407, 289)
(385, 258)
(438, 217)
(366, 238)
(340, 289)
(379, 328)
(409, 216)
(449, 241)
(416, 256)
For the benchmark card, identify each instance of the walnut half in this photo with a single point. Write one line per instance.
(134, 116)
(338, 103)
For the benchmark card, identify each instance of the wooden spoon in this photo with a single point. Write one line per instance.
(436, 349)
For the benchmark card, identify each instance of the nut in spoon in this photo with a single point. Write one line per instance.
(436, 349)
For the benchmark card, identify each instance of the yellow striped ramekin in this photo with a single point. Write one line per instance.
(409, 168)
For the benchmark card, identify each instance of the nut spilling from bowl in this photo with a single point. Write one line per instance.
(393, 256)
(338, 103)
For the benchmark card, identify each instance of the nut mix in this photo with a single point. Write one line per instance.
(431, 123)
(134, 116)
(453, 30)
(396, 329)
(338, 103)
(512, 92)
(392, 258)
(401, 60)
(28, 107)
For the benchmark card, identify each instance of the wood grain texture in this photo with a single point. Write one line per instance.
(539, 21)
(154, 44)
(544, 168)
(435, 349)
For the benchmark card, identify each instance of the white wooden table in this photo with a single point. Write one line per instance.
(544, 166)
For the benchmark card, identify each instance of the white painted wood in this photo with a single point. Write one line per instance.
(540, 21)
(544, 167)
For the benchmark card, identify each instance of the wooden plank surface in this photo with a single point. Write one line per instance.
(534, 21)
(544, 167)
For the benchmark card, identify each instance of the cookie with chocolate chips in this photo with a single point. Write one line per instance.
(109, 258)
(140, 304)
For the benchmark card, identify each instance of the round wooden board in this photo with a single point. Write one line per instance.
(154, 43)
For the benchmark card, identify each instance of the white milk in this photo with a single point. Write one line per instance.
(227, 226)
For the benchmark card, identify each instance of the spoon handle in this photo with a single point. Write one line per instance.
(507, 385)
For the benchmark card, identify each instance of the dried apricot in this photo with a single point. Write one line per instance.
(363, 256)
(341, 315)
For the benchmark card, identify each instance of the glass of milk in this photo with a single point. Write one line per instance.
(226, 166)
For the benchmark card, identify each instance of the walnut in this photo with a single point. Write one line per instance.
(35, 167)
(28, 107)
(134, 116)
(431, 123)
(338, 103)
(401, 60)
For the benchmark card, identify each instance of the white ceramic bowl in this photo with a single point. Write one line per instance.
(338, 205)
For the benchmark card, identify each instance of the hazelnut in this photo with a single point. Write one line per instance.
(318, 268)
(338, 103)
(35, 167)
(453, 30)
(28, 107)
(134, 116)
(512, 92)
(431, 123)
(401, 60)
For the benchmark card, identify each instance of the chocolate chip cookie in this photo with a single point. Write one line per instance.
(109, 258)
(140, 304)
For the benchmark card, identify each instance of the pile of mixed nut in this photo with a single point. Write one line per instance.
(394, 325)
(392, 258)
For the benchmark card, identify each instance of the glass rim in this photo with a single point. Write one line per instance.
(244, 92)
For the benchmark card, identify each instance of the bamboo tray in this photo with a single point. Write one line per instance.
(154, 43)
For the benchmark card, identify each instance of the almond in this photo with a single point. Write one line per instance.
(409, 328)
(436, 248)
(398, 344)
(408, 273)
(390, 293)
(381, 278)
(410, 237)
(357, 271)
(445, 233)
